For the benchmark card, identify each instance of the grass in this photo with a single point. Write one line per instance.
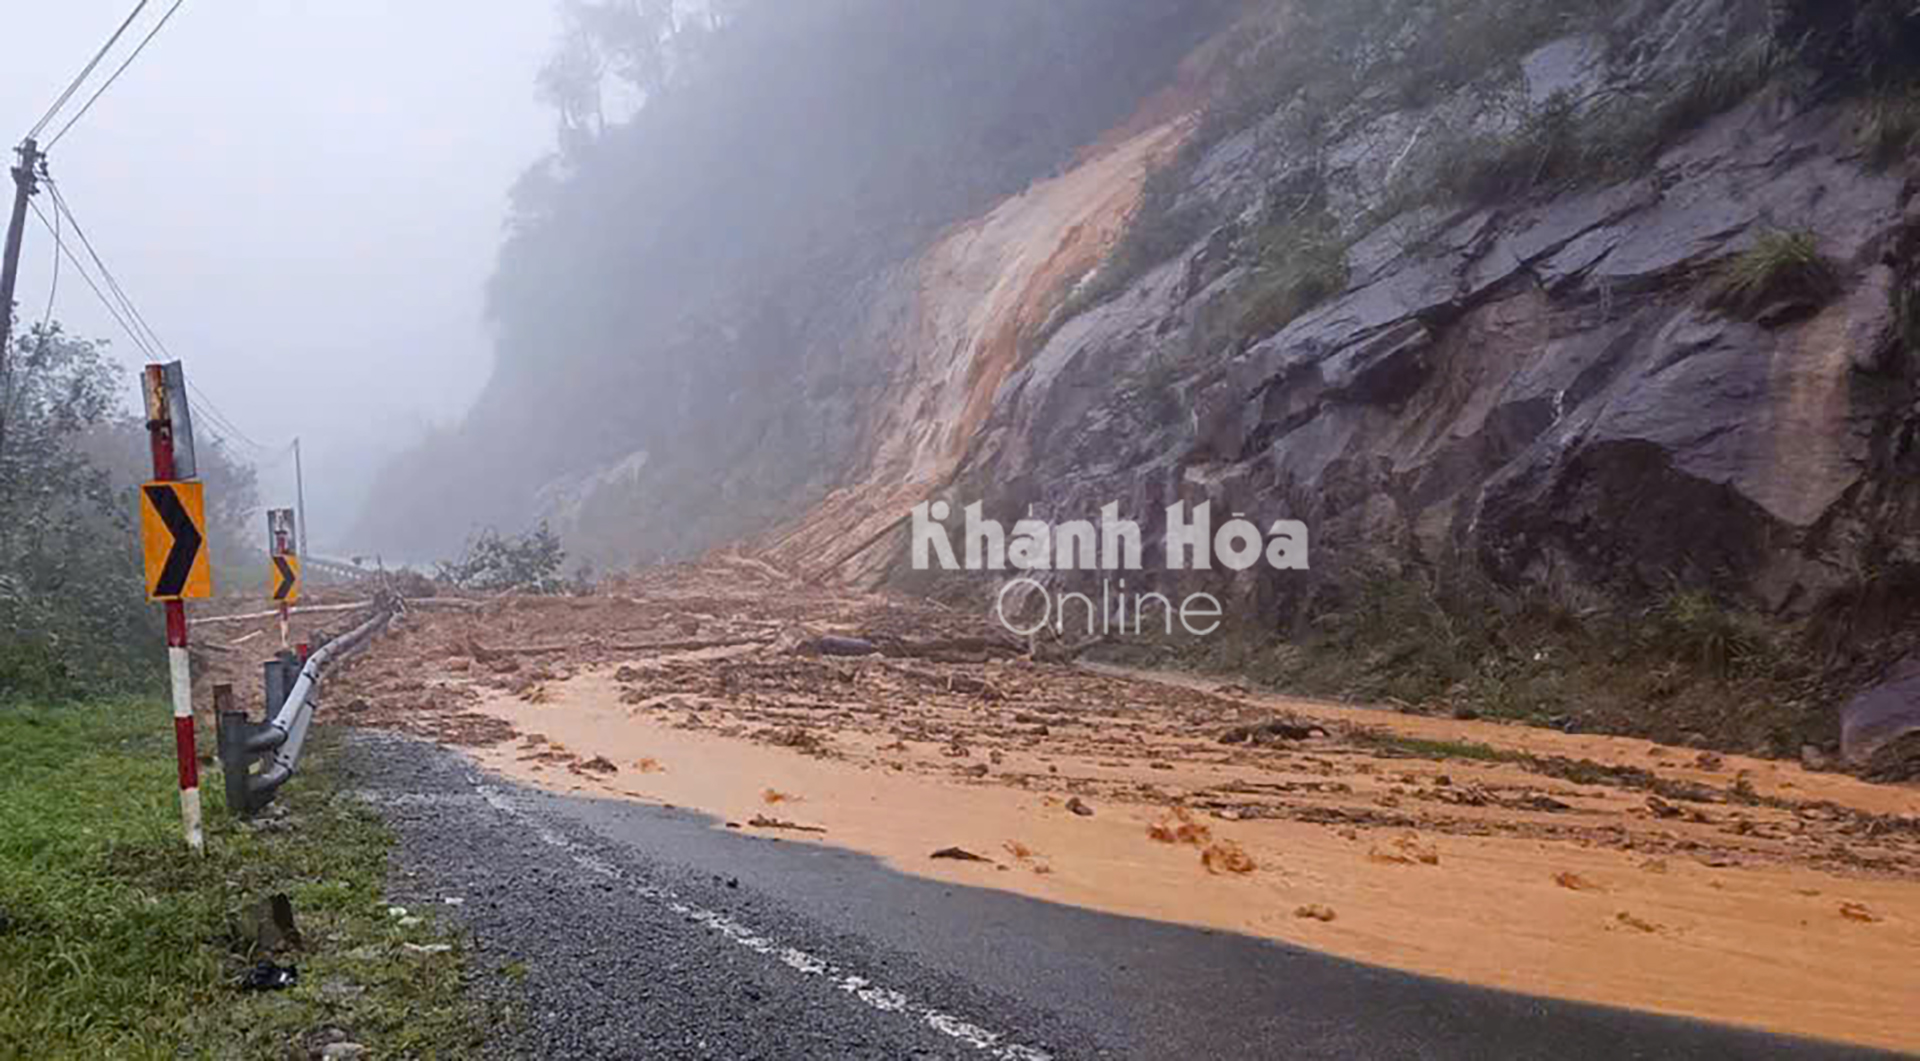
(1890, 126)
(1302, 262)
(1420, 748)
(115, 942)
(1680, 667)
(1326, 59)
(1779, 267)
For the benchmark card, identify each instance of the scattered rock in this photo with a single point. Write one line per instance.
(1858, 912)
(1407, 850)
(1079, 806)
(1271, 730)
(1179, 828)
(1635, 923)
(976, 770)
(600, 764)
(1315, 911)
(339, 989)
(343, 1052)
(1575, 882)
(1708, 761)
(960, 854)
(761, 821)
(832, 645)
(268, 925)
(1225, 856)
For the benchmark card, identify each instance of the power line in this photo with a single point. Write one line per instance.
(221, 419)
(46, 317)
(91, 100)
(80, 267)
(133, 313)
(128, 315)
(85, 71)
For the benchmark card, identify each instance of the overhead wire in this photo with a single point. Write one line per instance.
(113, 283)
(80, 267)
(86, 71)
(53, 288)
(128, 316)
(115, 76)
(118, 303)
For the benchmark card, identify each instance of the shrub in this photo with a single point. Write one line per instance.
(1302, 263)
(1160, 228)
(1779, 267)
(1861, 42)
(1692, 627)
(1890, 127)
(528, 563)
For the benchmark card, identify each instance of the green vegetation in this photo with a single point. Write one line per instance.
(1558, 147)
(1890, 126)
(1779, 267)
(1159, 229)
(1301, 263)
(1421, 748)
(525, 563)
(74, 619)
(114, 942)
(1680, 667)
(1313, 61)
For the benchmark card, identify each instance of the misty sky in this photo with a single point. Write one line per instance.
(303, 197)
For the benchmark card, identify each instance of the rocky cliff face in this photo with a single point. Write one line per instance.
(1540, 385)
(1543, 380)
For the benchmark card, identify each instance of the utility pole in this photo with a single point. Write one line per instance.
(26, 176)
(300, 501)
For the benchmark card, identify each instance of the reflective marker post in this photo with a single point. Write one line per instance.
(160, 430)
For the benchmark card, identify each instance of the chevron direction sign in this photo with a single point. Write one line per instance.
(286, 578)
(173, 536)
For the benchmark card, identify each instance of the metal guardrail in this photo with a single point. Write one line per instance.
(337, 570)
(278, 740)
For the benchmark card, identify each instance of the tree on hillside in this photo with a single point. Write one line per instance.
(74, 618)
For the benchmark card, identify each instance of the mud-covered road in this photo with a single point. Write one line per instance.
(1120, 812)
(616, 929)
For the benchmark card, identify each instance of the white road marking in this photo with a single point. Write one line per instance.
(882, 999)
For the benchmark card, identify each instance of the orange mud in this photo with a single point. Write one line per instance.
(1594, 868)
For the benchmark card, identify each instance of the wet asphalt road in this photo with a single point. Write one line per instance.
(635, 931)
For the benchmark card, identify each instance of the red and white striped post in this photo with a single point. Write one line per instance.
(160, 433)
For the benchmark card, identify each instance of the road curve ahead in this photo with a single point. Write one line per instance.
(638, 931)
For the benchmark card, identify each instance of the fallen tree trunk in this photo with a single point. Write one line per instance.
(317, 609)
(635, 646)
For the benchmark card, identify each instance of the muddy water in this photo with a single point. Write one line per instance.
(1782, 946)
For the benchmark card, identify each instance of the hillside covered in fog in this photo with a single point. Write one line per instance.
(1577, 332)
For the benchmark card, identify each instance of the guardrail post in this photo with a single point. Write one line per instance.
(235, 736)
(279, 674)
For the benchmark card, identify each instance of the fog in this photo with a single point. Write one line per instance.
(303, 198)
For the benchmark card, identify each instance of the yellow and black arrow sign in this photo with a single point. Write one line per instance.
(286, 578)
(173, 521)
